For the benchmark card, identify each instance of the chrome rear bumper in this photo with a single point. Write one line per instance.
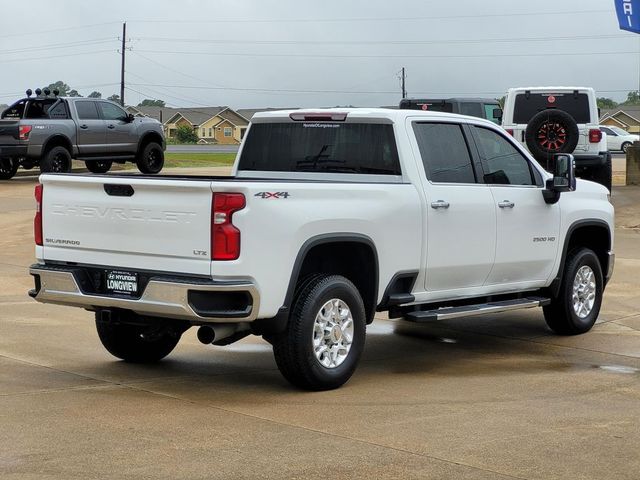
(162, 297)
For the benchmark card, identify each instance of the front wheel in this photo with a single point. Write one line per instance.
(8, 168)
(151, 158)
(137, 343)
(99, 166)
(325, 334)
(577, 306)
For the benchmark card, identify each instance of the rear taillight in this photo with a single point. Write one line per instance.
(595, 135)
(24, 132)
(37, 221)
(225, 237)
(510, 131)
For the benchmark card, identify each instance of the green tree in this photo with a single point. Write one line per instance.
(152, 103)
(633, 98)
(62, 87)
(501, 101)
(606, 103)
(186, 134)
(95, 95)
(73, 93)
(114, 98)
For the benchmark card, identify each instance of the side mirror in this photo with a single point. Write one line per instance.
(131, 117)
(564, 178)
(497, 113)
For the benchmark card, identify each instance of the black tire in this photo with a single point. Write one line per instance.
(625, 146)
(603, 173)
(561, 314)
(8, 168)
(150, 158)
(137, 343)
(294, 349)
(99, 166)
(56, 160)
(549, 132)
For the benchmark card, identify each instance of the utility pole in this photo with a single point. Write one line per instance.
(404, 90)
(124, 40)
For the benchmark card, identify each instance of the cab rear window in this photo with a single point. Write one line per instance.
(576, 105)
(321, 147)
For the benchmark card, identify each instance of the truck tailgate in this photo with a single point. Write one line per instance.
(9, 132)
(134, 223)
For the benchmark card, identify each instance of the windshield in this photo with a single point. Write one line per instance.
(619, 131)
(321, 147)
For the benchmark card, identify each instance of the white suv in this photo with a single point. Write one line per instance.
(550, 120)
(618, 139)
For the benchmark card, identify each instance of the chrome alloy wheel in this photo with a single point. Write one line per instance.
(584, 291)
(333, 333)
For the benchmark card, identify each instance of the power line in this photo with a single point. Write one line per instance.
(384, 42)
(170, 69)
(313, 55)
(56, 46)
(63, 29)
(262, 90)
(48, 57)
(381, 19)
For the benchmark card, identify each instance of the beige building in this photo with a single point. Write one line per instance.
(215, 125)
(625, 117)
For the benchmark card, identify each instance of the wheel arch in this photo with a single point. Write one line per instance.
(58, 140)
(148, 137)
(333, 253)
(591, 233)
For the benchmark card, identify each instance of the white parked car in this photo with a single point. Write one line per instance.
(618, 139)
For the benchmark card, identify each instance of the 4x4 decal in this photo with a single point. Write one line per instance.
(274, 195)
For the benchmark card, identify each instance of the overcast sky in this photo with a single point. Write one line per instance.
(286, 53)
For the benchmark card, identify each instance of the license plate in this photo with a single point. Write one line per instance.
(124, 283)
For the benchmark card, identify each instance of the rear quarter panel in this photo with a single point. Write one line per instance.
(274, 229)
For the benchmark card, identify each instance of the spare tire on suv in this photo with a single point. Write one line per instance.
(549, 132)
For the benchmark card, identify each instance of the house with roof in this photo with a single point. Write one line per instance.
(219, 125)
(626, 117)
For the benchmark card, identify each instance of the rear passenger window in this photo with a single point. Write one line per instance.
(87, 110)
(444, 152)
(501, 162)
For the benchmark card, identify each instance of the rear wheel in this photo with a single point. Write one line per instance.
(603, 173)
(151, 158)
(625, 146)
(99, 166)
(56, 160)
(325, 334)
(577, 306)
(135, 342)
(8, 168)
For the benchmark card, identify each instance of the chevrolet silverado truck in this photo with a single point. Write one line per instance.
(551, 120)
(48, 131)
(329, 217)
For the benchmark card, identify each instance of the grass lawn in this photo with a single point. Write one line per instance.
(185, 160)
(172, 159)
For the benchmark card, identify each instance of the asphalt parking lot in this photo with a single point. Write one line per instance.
(481, 398)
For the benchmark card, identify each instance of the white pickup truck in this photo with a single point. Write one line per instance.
(330, 216)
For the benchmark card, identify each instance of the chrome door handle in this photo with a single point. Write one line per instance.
(111, 127)
(439, 204)
(506, 204)
(84, 127)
